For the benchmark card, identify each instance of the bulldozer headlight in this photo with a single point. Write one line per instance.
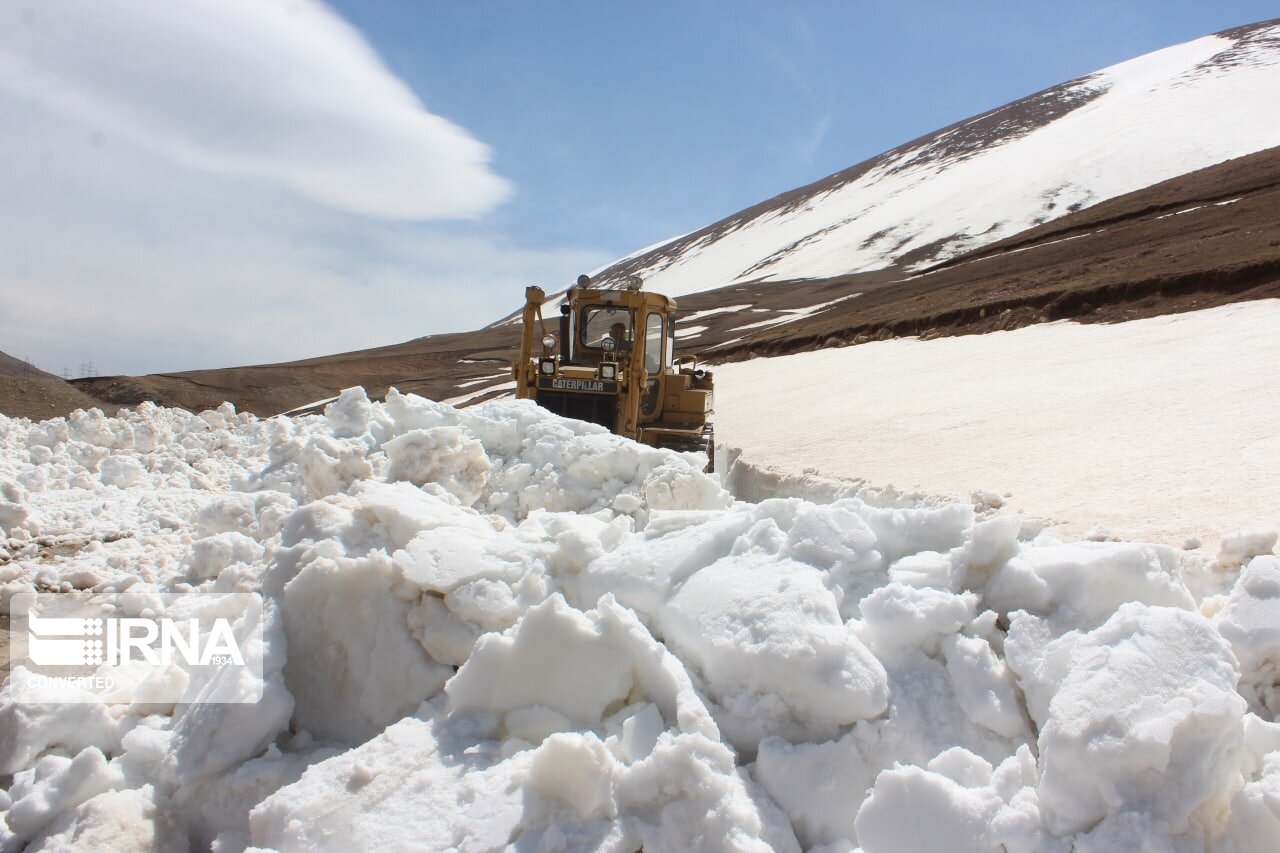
(608, 371)
(549, 341)
(547, 366)
(608, 344)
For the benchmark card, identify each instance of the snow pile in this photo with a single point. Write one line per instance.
(493, 627)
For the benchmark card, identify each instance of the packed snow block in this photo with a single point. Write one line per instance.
(210, 738)
(218, 808)
(543, 461)
(985, 686)
(644, 571)
(926, 717)
(129, 821)
(417, 781)
(1254, 823)
(28, 730)
(821, 813)
(123, 472)
(329, 466)
(445, 456)
(560, 668)
(378, 517)
(95, 428)
(555, 657)
(473, 578)
(902, 532)
(1250, 621)
(353, 666)
(408, 412)
(687, 794)
(1144, 717)
(989, 544)
(1242, 546)
(897, 616)
(348, 416)
(210, 555)
(464, 549)
(14, 512)
(835, 538)
(444, 781)
(659, 675)
(1080, 585)
(56, 785)
(766, 638)
(958, 803)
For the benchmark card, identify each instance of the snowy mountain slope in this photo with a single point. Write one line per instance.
(1115, 131)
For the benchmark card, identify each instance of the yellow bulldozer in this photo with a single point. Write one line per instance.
(612, 362)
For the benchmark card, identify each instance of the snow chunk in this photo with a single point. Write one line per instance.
(121, 471)
(412, 781)
(209, 556)
(984, 686)
(898, 616)
(354, 666)
(14, 514)
(766, 637)
(1251, 623)
(1243, 545)
(1146, 719)
(556, 657)
(821, 813)
(348, 416)
(330, 466)
(443, 455)
(1082, 584)
(958, 803)
(577, 665)
(54, 786)
(139, 819)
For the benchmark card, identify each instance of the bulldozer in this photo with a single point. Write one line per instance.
(611, 361)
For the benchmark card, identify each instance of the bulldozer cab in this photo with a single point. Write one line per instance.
(611, 360)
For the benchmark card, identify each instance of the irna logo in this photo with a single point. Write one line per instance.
(136, 647)
(61, 641)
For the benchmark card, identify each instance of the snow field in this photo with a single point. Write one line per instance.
(1161, 429)
(491, 627)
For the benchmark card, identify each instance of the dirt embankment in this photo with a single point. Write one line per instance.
(40, 399)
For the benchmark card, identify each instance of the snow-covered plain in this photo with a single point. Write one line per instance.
(491, 627)
(1129, 126)
(1162, 429)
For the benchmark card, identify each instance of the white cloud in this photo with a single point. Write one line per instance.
(281, 90)
(156, 217)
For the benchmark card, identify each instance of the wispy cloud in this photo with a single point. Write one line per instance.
(204, 184)
(280, 90)
(808, 145)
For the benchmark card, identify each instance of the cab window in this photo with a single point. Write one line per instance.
(606, 321)
(653, 343)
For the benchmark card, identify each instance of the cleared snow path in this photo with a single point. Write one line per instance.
(1157, 429)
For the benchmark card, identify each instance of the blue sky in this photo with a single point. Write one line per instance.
(196, 184)
(622, 124)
